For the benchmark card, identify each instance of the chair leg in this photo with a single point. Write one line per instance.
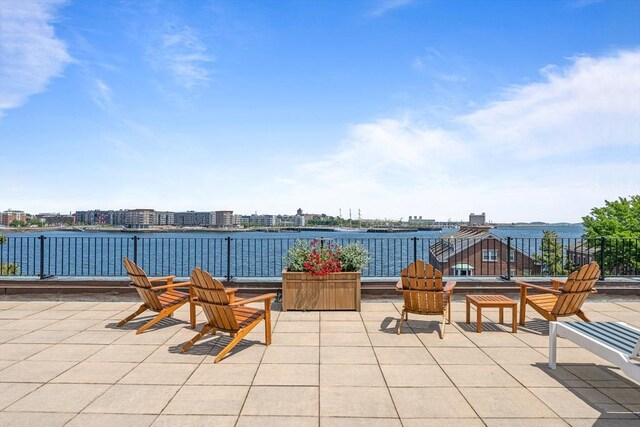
(442, 326)
(583, 316)
(399, 327)
(267, 322)
(165, 312)
(230, 346)
(205, 329)
(140, 310)
(523, 308)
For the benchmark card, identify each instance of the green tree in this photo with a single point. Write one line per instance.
(550, 256)
(619, 223)
(10, 269)
(17, 223)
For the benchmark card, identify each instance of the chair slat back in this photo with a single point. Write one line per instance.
(576, 289)
(424, 285)
(141, 282)
(214, 300)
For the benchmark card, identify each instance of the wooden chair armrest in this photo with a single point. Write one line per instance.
(538, 288)
(161, 279)
(231, 290)
(448, 288)
(171, 286)
(252, 299)
(557, 282)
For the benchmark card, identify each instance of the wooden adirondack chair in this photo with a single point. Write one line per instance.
(421, 285)
(226, 316)
(560, 302)
(164, 303)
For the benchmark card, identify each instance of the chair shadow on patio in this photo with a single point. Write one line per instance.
(212, 345)
(134, 325)
(591, 391)
(389, 325)
(486, 327)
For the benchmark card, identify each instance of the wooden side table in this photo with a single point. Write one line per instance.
(492, 301)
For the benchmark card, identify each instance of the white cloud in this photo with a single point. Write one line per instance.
(184, 55)
(385, 6)
(30, 53)
(547, 151)
(102, 96)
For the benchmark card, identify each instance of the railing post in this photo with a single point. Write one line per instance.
(42, 239)
(602, 246)
(415, 248)
(228, 239)
(508, 275)
(135, 249)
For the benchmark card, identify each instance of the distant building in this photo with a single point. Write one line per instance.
(224, 219)
(299, 220)
(56, 219)
(94, 217)
(477, 219)
(165, 218)
(10, 215)
(417, 220)
(582, 252)
(472, 251)
(194, 219)
(140, 218)
(299, 212)
(260, 220)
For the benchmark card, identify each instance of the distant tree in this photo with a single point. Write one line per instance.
(17, 223)
(36, 221)
(10, 269)
(551, 254)
(619, 222)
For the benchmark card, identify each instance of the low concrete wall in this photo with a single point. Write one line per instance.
(377, 288)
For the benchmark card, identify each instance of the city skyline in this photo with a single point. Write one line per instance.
(527, 110)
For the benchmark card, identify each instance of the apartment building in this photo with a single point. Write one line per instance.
(140, 218)
(194, 219)
(10, 215)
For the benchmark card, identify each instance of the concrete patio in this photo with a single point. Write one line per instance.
(65, 363)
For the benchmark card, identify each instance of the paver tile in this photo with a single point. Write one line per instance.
(101, 420)
(44, 337)
(460, 356)
(415, 376)
(34, 419)
(251, 354)
(59, 398)
(516, 356)
(186, 420)
(348, 355)
(10, 351)
(359, 422)
(284, 355)
(12, 392)
(95, 373)
(358, 402)
(299, 316)
(133, 399)
(217, 374)
(568, 404)
(29, 371)
(351, 376)
(295, 339)
(67, 352)
(506, 403)
(207, 400)
(274, 421)
(340, 316)
(284, 327)
(123, 353)
(159, 373)
(282, 401)
(410, 403)
(28, 325)
(337, 339)
(287, 374)
(342, 327)
(94, 337)
(383, 339)
(442, 422)
(404, 356)
(525, 422)
(479, 376)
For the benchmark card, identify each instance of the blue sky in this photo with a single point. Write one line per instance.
(525, 110)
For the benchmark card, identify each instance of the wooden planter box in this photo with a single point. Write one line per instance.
(336, 291)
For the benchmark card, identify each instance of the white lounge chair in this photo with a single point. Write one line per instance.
(615, 342)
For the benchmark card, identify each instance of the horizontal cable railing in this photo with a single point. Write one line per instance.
(230, 258)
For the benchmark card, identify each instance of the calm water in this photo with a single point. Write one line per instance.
(247, 254)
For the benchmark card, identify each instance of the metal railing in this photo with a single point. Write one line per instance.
(230, 258)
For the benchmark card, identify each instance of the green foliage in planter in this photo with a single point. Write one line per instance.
(353, 257)
(297, 256)
(303, 255)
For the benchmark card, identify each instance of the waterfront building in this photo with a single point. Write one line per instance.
(417, 220)
(165, 218)
(475, 251)
(140, 218)
(194, 219)
(56, 219)
(477, 219)
(10, 215)
(224, 219)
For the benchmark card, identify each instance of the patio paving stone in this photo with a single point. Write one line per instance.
(506, 403)
(287, 374)
(460, 356)
(149, 373)
(415, 376)
(359, 422)
(412, 403)
(347, 356)
(351, 375)
(374, 402)
(34, 419)
(133, 399)
(122, 353)
(34, 371)
(285, 355)
(12, 392)
(207, 400)
(336, 339)
(101, 420)
(404, 356)
(185, 420)
(277, 400)
(59, 398)
(217, 374)
(95, 373)
(479, 376)
(273, 421)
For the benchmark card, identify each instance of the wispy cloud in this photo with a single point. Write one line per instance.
(102, 96)
(385, 6)
(30, 53)
(183, 54)
(548, 150)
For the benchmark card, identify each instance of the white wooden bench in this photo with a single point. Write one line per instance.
(615, 342)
